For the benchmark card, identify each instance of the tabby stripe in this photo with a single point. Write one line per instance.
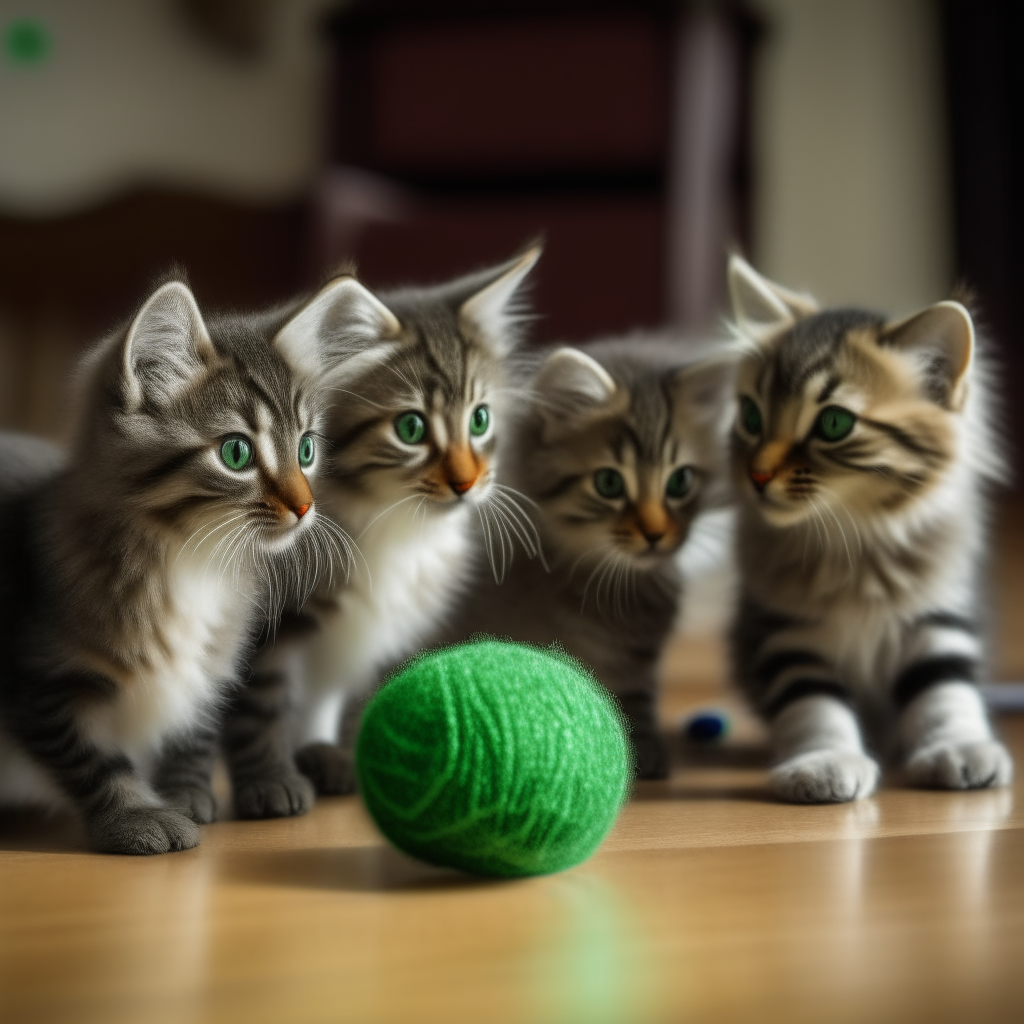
(901, 437)
(916, 678)
(949, 620)
(356, 432)
(561, 487)
(797, 689)
(168, 467)
(775, 664)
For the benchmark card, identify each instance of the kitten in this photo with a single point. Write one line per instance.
(620, 449)
(130, 572)
(862, 452)
(419, 406)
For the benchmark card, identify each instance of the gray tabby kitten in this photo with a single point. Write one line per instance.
(620, 448)
(420, 404)
(862, 452)
(131, 572)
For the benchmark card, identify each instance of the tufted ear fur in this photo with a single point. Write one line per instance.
(341, 321)
(941, 341)
(167, 346)
(570, 387)
(703, 390)
(494, 311)
(761, 307)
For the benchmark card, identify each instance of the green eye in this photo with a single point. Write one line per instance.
(307, 449)
(411, 427)
(750, 416)
(679, 482)
(236, 453)
(609, 483)
(480, 420)
(834, 423)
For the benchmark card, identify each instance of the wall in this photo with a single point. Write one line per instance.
(130, 96)
(852, 196)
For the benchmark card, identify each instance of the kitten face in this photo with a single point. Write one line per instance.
(841, 411)
(624, 450)
(206, 430)
(421, 428)
(420, 406)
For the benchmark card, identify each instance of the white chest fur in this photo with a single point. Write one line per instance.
(411, 571)
(190, 654)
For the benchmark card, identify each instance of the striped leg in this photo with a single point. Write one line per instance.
(122, 814)
(944, 727)
(258, 748)
(816, 740)
(653, 760)
(184, 774)
(321, 759)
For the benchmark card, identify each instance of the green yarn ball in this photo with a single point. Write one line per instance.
(494, 757)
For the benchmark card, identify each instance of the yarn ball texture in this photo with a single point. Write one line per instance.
(496, 758)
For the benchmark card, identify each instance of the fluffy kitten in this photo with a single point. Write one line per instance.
(620, 448)
(862, 452)
(130, 572)
(419, 406)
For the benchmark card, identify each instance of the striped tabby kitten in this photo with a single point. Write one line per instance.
(412, 437)
(620, 449)
(130, 572)
(862, 452)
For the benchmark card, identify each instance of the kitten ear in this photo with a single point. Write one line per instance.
(342, 320)
(763, 308)
(571, 386)
(167, 346)
(495, 309)
(702, 390)
(941, 338)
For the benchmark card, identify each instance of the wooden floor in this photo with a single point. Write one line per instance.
(707, 903)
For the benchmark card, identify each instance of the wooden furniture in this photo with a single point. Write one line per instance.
(614, 130)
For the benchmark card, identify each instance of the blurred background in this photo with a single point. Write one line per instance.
(862, 149)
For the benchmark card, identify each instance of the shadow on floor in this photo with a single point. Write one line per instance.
(678, 790)
(691, 755)
(37, 831)
(348, 869)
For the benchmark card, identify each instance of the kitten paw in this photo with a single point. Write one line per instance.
(196, 802)
(328, 767)
(824, 777)
(281, 797)
(142, 831)
(652, 756)
(976, 765)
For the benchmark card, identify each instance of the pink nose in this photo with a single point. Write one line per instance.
(760, 478)
(301, 510)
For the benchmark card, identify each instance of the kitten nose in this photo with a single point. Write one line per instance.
(652, 538)
(760, 479)
(301, 510)
(460, 486)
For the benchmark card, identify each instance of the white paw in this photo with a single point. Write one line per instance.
(824, 777)
(976, 765)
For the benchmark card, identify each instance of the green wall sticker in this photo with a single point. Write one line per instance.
(27, 41)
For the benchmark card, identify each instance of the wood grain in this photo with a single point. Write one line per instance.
(708, 902)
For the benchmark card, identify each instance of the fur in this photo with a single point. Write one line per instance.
(135, 570)
(860, 555)
(608, 586)
(439, 354)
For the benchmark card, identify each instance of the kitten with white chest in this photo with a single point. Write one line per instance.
(862, 453)
(420, 402)
(134, 568)
(617, 451)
